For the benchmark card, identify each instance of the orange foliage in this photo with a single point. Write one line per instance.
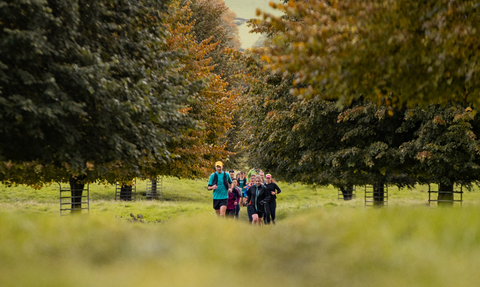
(212, 107)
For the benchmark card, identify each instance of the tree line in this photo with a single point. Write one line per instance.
(344, 92)
(368, 93)
(110, 90)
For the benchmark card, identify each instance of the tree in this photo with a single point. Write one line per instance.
(445, 146)
(198, 148)
(316, 142)
(87, 93)
(214, 19)
(406, 52)
(372, 57)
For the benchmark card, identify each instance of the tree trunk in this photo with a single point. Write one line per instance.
(126, 192)
(76, 190)
(445, 192)
(379, 195)
(154, 188)
(347, 192)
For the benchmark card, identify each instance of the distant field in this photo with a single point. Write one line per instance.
(190, 197)
(246, 10)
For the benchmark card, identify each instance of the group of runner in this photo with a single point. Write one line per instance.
(255, 191)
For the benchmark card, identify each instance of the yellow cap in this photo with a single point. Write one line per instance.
(219, 163)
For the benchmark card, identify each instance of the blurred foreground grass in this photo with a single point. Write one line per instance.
(342, 246)
(318, 241)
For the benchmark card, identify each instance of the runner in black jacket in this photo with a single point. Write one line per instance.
(257, 197)
(271, 206)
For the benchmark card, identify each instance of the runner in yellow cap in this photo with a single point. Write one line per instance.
(220, 182)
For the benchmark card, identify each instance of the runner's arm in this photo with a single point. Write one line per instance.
(229, 179)
(278, 190)
(210, 181)
(248, 195)
(238, 195)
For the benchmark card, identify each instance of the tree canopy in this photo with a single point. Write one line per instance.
(370, 92)
(89, 88)
(317, 142)
(197, 149)
(404, 52)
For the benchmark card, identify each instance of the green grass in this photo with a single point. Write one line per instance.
(318, 240)
(395, 246)
(179, 197)
(190, 197)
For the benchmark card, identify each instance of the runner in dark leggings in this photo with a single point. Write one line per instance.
(271, 206)
(250, 184)
(242, 183)
(257, 198)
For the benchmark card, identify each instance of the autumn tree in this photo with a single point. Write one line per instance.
(372, 57)
(413, 52)
(211, 107)
(213, 20)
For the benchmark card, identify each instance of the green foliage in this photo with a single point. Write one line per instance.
(409, 52)
(209, 18)
(444, 147)
(314, 141)
(86, 87)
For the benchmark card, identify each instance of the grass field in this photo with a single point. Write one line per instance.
(318, 240)
(190, 197)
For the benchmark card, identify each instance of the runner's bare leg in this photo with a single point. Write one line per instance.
(222, 211)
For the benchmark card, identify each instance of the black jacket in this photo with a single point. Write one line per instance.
(263, 197)
(272, 186)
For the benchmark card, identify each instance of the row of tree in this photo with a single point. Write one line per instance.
(111, 90)
(371, 92)
(345, 92)
(319, 143)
